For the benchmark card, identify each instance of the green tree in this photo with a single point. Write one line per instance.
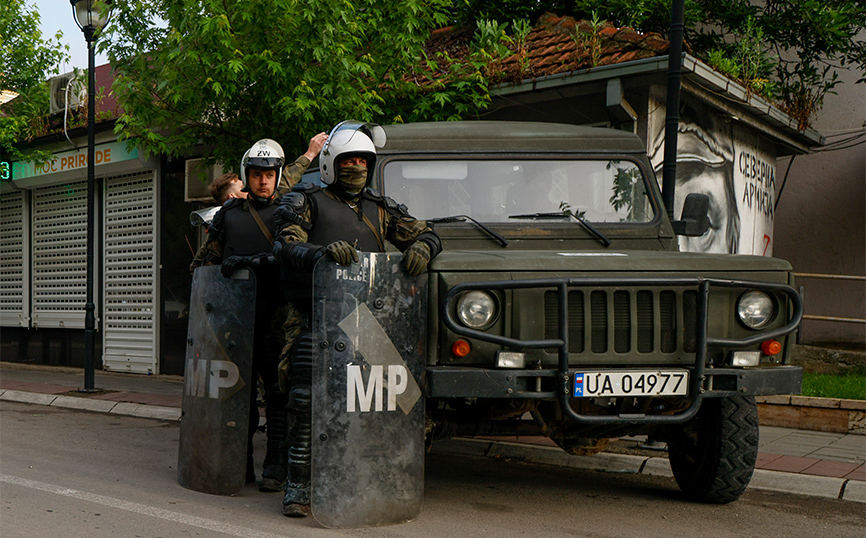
(224, 73)
(787, 49)
(26, 62)
(470, 11)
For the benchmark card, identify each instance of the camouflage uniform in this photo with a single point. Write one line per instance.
(310, 218)
(297, 217)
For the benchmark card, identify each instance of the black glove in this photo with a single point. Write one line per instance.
(231, 263)
(416, 258)
(342, 252)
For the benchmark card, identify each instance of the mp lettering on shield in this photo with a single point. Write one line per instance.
(371, 395)
(215, 379)
(372, 342)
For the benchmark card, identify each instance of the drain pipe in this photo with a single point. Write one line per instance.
(672, 118)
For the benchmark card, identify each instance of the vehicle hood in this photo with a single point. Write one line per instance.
(609, 260)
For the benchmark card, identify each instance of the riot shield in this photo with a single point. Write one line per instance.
(368, 408)
(217, 382)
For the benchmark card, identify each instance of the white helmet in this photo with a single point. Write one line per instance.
(265, 154)
(350, 138)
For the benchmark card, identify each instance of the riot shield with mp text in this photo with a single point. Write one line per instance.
(369, 324)
(217, 382)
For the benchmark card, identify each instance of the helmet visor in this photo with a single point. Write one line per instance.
(343, 133)
(265, 163)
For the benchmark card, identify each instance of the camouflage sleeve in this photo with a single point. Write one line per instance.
(402, 229)
(292, 175)
(291, 248)
(198, 260)
(295, 232)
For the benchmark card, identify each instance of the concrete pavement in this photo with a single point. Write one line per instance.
(830, 465)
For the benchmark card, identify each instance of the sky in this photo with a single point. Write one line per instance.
(57, 15)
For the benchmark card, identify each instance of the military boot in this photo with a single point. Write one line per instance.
(296, 502)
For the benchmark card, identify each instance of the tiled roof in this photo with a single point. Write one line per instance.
(554, 45)
(104, 79)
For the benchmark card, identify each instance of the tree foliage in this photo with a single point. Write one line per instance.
(468, 12)
(787, 49)
(26, 62)
(224, 73)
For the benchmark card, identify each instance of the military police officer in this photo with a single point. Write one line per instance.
(335, 221)
(241, 235)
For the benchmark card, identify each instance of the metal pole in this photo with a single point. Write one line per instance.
(672, 118)
(89, 307)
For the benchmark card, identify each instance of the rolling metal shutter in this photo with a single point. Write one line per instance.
(59, 242)
(14, 259)
(130, 278)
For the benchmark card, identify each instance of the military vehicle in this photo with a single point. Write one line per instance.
(562, 306)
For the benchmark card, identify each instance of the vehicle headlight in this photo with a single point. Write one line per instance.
(476, 309)
(755, 309)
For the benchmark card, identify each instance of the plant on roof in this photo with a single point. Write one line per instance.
(746, 61)
(588, 39)
(807, 40)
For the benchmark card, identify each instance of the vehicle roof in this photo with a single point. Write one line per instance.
(510, 136)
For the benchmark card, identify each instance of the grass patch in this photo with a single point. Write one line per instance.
(850, 386)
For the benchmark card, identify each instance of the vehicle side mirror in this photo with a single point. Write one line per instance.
(695, 220)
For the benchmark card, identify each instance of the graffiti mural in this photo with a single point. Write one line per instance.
(718, 157)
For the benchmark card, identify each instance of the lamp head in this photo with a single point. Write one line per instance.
(88, 14)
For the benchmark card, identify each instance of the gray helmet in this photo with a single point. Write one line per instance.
(265, 154)
(348, 139)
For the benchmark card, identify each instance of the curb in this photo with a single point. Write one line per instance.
(809, 413)
(813, 486)
(157, 412)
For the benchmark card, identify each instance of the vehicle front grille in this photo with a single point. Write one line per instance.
(625, 321)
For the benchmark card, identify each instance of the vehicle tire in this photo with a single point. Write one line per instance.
(714, 454)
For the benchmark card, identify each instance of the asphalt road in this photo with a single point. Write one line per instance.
(73, 474)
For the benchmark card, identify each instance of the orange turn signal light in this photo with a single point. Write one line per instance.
(771, 347)
(460, 348)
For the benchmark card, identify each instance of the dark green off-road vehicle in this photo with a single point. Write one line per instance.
(561, 295)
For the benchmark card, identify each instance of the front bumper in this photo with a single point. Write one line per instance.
(467, 382)
(705, 381)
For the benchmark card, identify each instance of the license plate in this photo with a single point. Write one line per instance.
(631, 383)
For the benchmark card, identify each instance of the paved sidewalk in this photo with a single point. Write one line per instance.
(796, 461)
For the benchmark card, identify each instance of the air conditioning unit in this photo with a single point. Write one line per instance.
(197, 178)
(66, 90)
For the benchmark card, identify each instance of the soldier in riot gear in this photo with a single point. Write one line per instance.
(335, 221)
(241, 235)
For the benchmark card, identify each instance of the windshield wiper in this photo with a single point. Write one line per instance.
(462, 218)
(565, 214)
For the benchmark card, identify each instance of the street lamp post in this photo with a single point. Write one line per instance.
(87, 16)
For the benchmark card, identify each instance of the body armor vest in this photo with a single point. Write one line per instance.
(335, 221)
(243, 237)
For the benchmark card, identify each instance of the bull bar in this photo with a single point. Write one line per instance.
(790, 374)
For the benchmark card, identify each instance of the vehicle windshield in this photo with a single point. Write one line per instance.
(508, 190)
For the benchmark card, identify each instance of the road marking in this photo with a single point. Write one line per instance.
(138, 508)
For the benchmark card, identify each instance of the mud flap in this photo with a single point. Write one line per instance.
(217, 381)
(369, 325)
